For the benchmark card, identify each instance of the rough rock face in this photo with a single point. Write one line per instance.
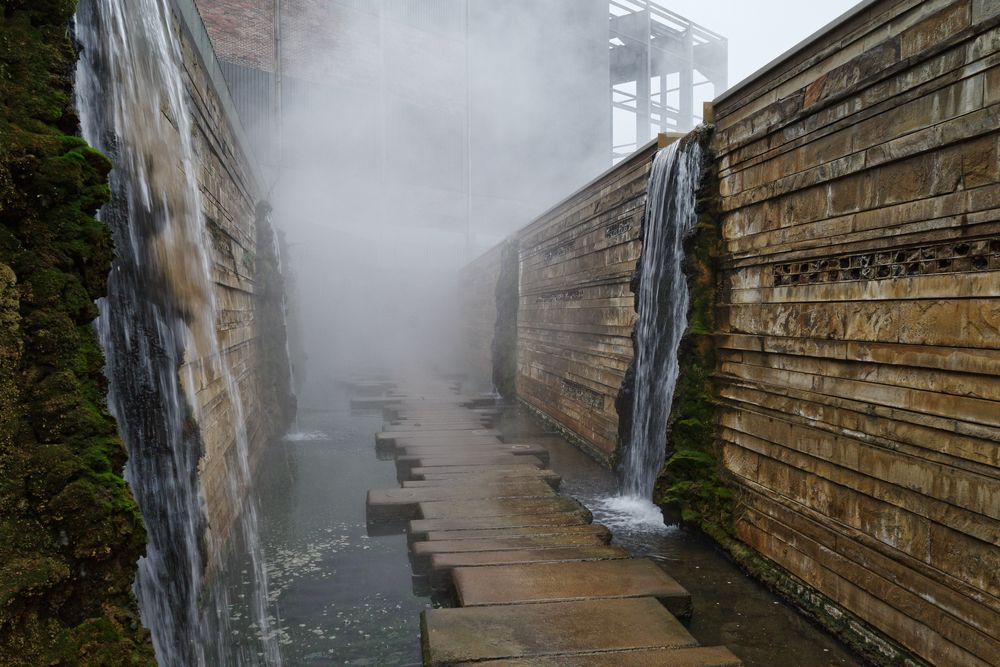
(70, 533)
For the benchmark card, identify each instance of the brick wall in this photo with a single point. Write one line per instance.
(242, 31)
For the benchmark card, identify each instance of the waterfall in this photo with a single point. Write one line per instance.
(160, 315)
(662, 305)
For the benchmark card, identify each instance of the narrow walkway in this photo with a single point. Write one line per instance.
(534, 581)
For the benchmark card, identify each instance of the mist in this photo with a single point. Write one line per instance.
(389, 111)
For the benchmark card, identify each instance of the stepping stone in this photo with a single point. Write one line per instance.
(597, 530)
(563, 582)
(706, 656)
(405, 464)
(445, 434)
(439, 451)
(391, 441)
(402, 504)
(461, 472)
(473, 509)
(373, 403)
(470, 634)
(469, 425)
(471, 479)
(420, 527)
(423, 550)
(441, 565)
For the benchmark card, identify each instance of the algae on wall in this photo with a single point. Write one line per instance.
(70, 532)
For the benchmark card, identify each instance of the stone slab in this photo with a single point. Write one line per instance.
(442, 472)
(514, 556)
(422, 551)
(474, 509)
(562, 582)
(420, 527)
(704, 656)
(468, 479)
(472, 479)
(406, 463)
(470, 425)
(595, 529)
(469, 441)
(472, 432)
(404, 501)
(470, 634)
(373, 403)
(440, 451)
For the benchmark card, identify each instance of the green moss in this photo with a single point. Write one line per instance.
(70, 532)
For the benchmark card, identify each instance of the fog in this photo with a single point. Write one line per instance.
(416, 135)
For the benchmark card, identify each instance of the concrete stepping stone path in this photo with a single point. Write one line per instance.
(535, 582)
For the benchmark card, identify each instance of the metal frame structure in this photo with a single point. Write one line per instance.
(658, 58)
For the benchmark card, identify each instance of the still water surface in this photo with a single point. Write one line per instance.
(343, 597)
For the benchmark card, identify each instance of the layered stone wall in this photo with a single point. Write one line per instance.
(860, 320)
(576, 313)
(858, 327)
(247, 286)
(478, 281)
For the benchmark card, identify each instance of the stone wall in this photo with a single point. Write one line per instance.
(860, 342)
(576, 314)
(231, 189)
(858, 324)
(478, 281)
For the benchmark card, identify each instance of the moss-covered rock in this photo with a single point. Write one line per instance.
(70, 533)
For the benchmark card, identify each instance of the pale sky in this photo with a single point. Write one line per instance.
(759, 30)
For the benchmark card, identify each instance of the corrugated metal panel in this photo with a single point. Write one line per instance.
(252, 91)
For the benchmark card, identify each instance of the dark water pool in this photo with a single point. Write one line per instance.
(343, 597)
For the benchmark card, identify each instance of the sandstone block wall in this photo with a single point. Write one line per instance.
(478, 281)
(231, 187)
(860, 342)
(576, 312)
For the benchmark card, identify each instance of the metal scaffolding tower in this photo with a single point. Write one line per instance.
(661, 64)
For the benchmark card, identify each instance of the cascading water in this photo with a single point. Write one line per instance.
(662, 305)
(159, 313)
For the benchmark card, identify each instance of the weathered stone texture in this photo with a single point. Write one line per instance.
(231, 190)
(576, 309)
(478, 281)
(860, 340)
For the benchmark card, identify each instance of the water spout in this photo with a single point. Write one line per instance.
(662, 305)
